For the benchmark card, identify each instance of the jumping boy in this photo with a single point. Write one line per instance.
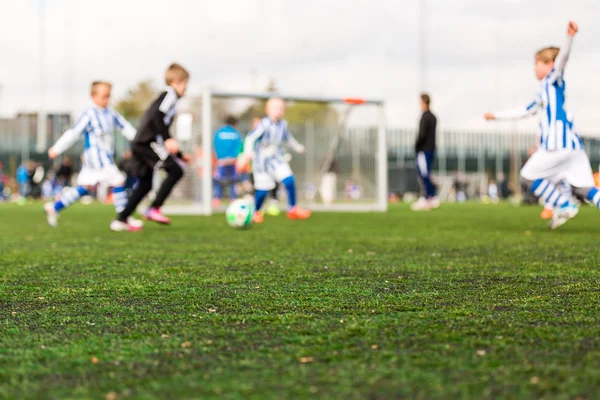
(560, 155)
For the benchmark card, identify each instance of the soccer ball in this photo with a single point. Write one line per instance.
(239, 214)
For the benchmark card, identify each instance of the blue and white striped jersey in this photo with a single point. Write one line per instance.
(268, 139)
(96, 126)
(556, 129)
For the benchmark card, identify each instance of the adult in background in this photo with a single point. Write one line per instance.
(227, 143)
(65, 172)
(425, 149)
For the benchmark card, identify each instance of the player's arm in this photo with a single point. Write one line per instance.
(563, 55)
(126, 128)
(292, 142)
(516, 113)
(69, 138)
(248, 150)
(161, 107)
(251, 139)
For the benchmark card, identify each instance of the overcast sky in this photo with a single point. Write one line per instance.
(479, 52)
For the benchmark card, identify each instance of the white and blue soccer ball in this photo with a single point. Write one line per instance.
(239, 213)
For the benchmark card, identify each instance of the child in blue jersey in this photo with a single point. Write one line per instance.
(560, 155)
(227, 143)
(265, 144)
(96, 127)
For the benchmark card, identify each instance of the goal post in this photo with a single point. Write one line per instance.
(353, 147)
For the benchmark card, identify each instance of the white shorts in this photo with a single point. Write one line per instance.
(109, 175)
(274, 171)
(572, 166)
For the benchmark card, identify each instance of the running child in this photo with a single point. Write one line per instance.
(96, 127)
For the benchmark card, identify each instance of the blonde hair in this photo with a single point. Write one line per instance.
(176, 72)
(547, 54)
(96, 84)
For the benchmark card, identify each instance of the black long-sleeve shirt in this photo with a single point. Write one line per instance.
(157, 119)
(426, 138)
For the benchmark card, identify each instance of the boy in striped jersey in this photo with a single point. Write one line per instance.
(96, 126)
(265, 144)
(154, 148)
(560, 154)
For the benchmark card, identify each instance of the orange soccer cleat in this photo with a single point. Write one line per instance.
(259, 217)
(547, 213)
(298, 213)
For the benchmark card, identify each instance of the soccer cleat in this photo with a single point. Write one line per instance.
(421, 205)
(51, 214)
(298, 213)
(563, 214)
(134, 222)
(154, 214)
(433, 203)
(273, 208)
(259, 217)
(546, 213)
(120, 226)
(216, 202)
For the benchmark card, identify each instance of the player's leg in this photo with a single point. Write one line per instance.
(174, 174)
(273, 207)
(115, 179)
(283, 174)
(541, 174)
(232, 178)
(263, 184)
(424, 160)
(140, 190)
(87, 177)
(68, 198)
(218, 186)
(143, 161)
(581, 178)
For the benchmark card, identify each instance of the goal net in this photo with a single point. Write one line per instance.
(344, 167)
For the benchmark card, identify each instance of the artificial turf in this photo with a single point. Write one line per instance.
(468, 301)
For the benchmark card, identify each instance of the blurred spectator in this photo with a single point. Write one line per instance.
(23, 180)
(460, 188)
(2, 181)
(493, 192)
(503, 186)
(352, 191)
(50, 186)
(65, 172)
(35, 174)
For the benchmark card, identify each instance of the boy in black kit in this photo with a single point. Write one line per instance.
(153, 148)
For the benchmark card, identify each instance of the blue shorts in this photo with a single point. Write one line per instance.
(226, 173)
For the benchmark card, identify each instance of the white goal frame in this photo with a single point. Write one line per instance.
(204, 207)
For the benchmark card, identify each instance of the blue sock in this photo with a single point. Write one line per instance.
(290, 186)
(119, 198)
(549, 193)
(70, 197)
(217, 189)
(594, 197)
(232, 191)
(259, 198)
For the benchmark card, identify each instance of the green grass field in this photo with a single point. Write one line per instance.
(469, 301)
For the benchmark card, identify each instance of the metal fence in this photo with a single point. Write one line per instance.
(458, 151)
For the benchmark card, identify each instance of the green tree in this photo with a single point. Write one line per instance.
(135, 102)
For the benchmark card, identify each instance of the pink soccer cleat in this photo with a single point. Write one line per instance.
(154, 214)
